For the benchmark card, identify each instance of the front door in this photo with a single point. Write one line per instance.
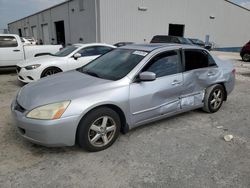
(149, 100)
(10, 52)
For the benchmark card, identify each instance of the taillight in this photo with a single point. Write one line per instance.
(234, 72)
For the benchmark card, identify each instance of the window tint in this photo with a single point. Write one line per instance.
(90, 51)
(103, 50)
(65, 51)
(115, 64)
(94, 51)
(164, 64)
(164, 39)
(8, 41)
(211, 61)
(195, 59)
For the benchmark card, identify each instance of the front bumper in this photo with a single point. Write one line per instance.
(27, 76)
(50, 133)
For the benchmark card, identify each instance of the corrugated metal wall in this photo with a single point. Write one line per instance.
(120, 20)
(77, 23)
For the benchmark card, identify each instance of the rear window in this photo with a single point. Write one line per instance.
(8, 41)
(195, 59)
(164, 39)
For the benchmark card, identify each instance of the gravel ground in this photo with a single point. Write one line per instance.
(187, 150)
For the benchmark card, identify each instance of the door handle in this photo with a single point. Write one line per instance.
(176, 82)
(16, 50)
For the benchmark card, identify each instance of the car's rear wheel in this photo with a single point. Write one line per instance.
(246, 57)
(98, 130)
(214, 98)
(50, 71)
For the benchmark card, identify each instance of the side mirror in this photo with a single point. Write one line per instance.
(208, 47)
(77, 55)
(147, 76)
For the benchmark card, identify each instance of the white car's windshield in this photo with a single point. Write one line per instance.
(115, 64)
(65, 51)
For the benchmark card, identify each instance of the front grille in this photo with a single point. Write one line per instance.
(19, 108)
(18, 69)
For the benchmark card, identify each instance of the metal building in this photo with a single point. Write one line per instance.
(112, 21)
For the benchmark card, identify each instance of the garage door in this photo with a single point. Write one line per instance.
(45, 30)
(26, 32)
(34, 32)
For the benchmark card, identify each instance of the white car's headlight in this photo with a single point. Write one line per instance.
(49, 112)
(31, 67)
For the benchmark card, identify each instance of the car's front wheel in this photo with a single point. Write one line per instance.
(50, 71)
(246, 57)
(98, 130)
(214, 98)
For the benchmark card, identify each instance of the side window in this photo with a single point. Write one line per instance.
(89, 51)
(164, 64)
(8, 42)
(103, 50)
(195, 59)
(211, 61)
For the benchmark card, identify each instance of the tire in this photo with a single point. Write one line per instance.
(92, 132)
(246, 57)
(50, 71)
(214, 98)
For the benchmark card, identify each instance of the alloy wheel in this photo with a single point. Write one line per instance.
(246, 57)
(217, 99)
(102, 131)
(50, 72)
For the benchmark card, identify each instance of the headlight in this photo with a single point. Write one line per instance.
(31, 67)
(49, 112)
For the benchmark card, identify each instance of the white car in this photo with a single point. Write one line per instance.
(69, 58)
(13, 51)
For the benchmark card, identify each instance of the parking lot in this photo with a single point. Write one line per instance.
(187, 150)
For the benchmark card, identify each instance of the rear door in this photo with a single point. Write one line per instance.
(11, 52)
(150, 100)
(200, 72)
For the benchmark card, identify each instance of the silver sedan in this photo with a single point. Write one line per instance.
(125, 88)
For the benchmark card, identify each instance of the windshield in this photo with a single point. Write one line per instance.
(65, 51)
(115, 64)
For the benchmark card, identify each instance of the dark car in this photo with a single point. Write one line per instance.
(245, 52)
(119, 44)
(201, 43)
(170, 39)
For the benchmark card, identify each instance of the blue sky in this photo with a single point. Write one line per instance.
(11, 10)
(244, 3)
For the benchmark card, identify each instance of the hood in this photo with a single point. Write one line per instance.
(39, 60)
(60, 87)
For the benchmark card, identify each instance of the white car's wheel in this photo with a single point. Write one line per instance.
(50, 71)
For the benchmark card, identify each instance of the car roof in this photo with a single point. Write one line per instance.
(154, 46)
(92, 44)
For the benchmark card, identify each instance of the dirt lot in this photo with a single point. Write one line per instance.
(183, 151)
